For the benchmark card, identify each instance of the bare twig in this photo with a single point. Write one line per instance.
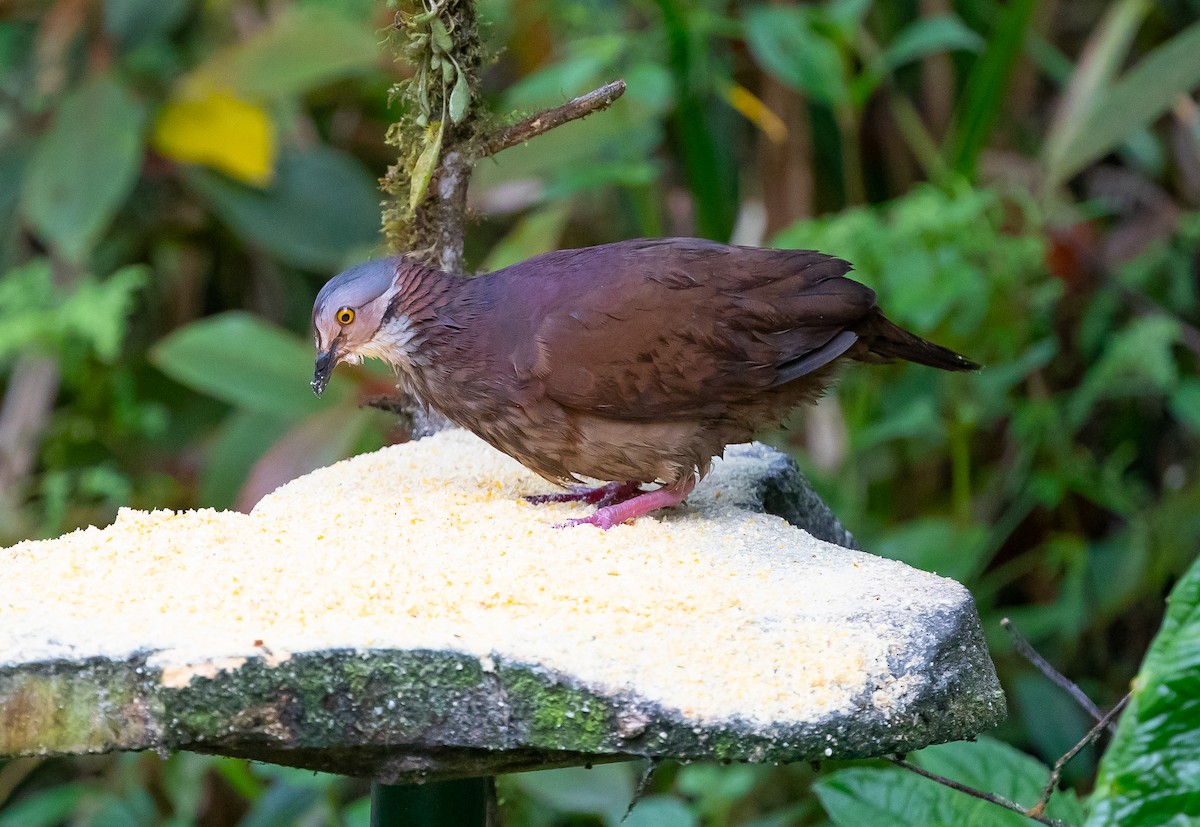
(999, 801)
(1056, 772)
(643, 784)
(543, 122)
(1030, 654)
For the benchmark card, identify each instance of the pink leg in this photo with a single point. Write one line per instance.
(611, 515)
(610, 494)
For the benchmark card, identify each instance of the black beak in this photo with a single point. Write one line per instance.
(325, 364)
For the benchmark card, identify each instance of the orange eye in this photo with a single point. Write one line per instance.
(345, 315)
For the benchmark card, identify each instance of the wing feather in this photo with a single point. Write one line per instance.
(675, 328)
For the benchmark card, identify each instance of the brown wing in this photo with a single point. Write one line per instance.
(676, 327)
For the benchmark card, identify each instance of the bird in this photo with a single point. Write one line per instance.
(632, 363)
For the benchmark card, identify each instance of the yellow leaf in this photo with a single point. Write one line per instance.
(216, 129)
(755, 111)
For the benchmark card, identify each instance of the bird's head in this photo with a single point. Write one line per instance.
(348, 313)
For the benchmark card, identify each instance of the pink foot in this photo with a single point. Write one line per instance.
(610, 494)
(611, 515)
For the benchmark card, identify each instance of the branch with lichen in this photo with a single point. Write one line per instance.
(425, 213)
(442, 132)
(543, 122)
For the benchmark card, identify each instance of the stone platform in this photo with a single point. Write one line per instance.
(405, 615)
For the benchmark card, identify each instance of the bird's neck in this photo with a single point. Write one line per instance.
(416, 319)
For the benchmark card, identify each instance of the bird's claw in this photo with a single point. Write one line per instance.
(600, 520)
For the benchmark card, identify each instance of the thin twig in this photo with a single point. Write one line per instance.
(543, 122)
(974, 793)
(643, 784)
(1093, 734)
(1030, 654)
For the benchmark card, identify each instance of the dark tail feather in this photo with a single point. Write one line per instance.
(888, 340)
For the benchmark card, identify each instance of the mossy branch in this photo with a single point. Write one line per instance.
(442, 131)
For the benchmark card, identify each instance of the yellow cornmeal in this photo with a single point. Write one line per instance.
(711, 610)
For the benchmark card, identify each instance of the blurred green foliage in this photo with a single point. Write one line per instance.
(1018, 180)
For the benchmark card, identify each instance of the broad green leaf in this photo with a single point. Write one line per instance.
(242, 438)
(928, 36)
(185, 783)
(659, 811)
(45, 808)
(847, 15)
(924, 543)
(283, 805)
(134, 808)
(321, 439)
(321, 207)
(1185, 403)
(1150, 773)
(715, 788)
(422, 171)
(1105, 51)
(992, 765)
(245, 361)
(605, 789)
(84, 166)
(860, 796)
(893, 796)
(133, 22)
(784, 42)
(538, 232)
(1141, 95)
(218, 130)
(300, 49)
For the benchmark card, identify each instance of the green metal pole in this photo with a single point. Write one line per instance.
(459, 803)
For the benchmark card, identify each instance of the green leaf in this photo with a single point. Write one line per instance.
(185, 783)
(45, 808)
(784, 42)
(133, 22)
(714, 789)
(929, 36)
(1149, 773)
(992, 765)
(1140, 96)
(1105, 51)
(321, 206)
(1185, 403)
(1137, 359)
(923, 544)
(239, 443)
(283, 805)
(34, 310)
(244, 361)
(439, 37)
(605, 789)
(298, 50)
(977, 113)
(859, 795)
(426, 163)
(659, 811)
(538, 232)
(847, 15)
(321, 439)
(459, 98)
(84, 166)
